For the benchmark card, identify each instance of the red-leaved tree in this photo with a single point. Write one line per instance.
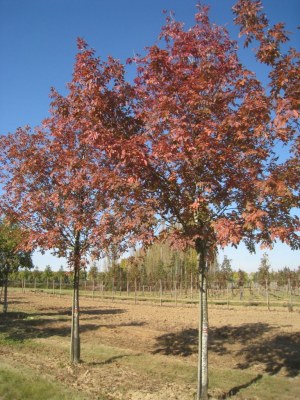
(210, 151)
(283, 89)
(62, 189)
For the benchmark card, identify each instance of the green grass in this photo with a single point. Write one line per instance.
(22, 384)
(241, 384)
(14, 338)
(232, 383)
(162, 368)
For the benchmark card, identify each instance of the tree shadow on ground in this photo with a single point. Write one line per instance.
(83, 311)
(183, 343)
(258, 344)
(280, 353)
(235, 390)
(21, 326)
(14, 302)
(108, 361)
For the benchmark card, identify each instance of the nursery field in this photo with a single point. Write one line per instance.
(145, 351)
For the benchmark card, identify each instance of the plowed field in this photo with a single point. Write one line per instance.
(141, 351)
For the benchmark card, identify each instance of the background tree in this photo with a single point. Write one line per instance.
(61, 274)
(263, 273)
(241, 280)
(11, 257)
(241, 277)
(225, 273)
(47, 274)
(287, 277)
(93, 272)
(37, 274)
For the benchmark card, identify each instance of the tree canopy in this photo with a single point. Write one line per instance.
(193, 142)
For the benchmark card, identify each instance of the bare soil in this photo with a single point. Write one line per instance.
(247, 339)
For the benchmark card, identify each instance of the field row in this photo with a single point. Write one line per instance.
(249, 298)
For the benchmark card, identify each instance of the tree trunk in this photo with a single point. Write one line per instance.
(75, 339)
(113, 289)
(204, 360)
(160, 292)
(227, 296)
(267, 295)
(290, 305)
(202, 387)
(5, 302)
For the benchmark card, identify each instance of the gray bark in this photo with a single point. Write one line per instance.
(202, 384)
(204, 358)
(75, 338)
(199, 380)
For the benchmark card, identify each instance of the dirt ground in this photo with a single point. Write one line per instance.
(243, 339)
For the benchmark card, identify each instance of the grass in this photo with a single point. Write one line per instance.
(227, 383)
(23, 384)
(241, 384)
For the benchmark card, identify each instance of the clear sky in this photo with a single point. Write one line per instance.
(38, 45)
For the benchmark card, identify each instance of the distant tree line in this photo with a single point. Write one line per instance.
(160, 263)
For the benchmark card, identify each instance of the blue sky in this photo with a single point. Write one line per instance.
(38, 45)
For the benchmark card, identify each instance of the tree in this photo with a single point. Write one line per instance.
(241, 277)
(47, 274)
(263, 272)
(11, 256)
(61, 188)
(241, 280)
(283, 98)
(93, 272)
(37, 274)
(61, 274)
(225, 274)
(210, 151)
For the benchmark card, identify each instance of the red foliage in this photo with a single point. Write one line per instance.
(61, 187)
(210, 139)
(194, 142)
